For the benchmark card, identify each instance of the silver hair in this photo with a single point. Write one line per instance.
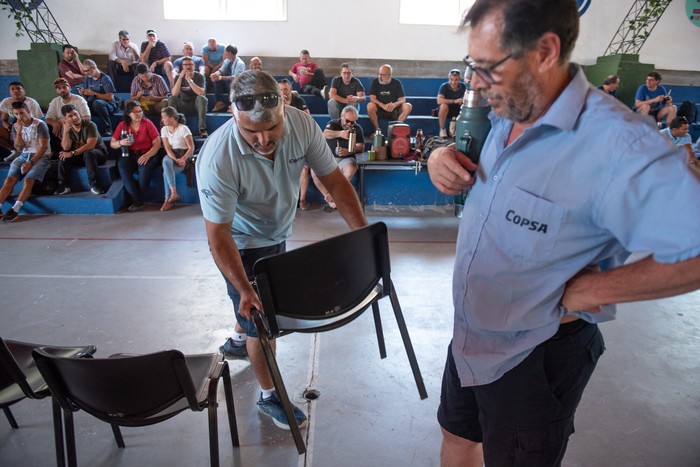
(349, 109)
(88, 62)
(253, 82)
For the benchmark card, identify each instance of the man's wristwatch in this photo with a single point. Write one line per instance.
(72, 153)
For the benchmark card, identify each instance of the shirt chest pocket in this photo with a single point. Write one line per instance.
(527, 226)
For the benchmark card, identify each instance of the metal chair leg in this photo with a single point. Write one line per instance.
(279, 384)
(213, 424)
(70, 439)
(10, 417)
(378, 327)
(407, 343)
(58, 433)
(230, 407)
(118, 436)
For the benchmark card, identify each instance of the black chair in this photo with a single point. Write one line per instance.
(349, 273)
(20, 378)
(138, 390)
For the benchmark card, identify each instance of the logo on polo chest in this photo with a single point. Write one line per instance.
(530, 224)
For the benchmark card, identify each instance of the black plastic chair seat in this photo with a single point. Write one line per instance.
(202, 368)
(320, 324)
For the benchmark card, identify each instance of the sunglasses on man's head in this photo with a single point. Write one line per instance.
(247, 102)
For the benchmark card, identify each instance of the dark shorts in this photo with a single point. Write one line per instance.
(526, 416)
(384, 115)
(453, 110)
(249, 256)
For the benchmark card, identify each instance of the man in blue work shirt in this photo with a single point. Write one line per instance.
(550, 210)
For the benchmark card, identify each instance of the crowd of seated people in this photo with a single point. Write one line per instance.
(168, 90)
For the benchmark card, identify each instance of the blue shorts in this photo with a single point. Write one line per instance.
(526, 416)
(37, 171)
(249, 256)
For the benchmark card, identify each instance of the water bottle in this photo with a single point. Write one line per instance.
(352, 138)
(419, 140)
(125, 149)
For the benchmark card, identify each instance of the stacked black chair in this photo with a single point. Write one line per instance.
(137, 390)
(20, 377)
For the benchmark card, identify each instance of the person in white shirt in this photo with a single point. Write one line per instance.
(16, 95)
(54, 118)
(123, 57)
(179, 147)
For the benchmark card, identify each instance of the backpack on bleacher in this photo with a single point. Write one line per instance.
(689, 111)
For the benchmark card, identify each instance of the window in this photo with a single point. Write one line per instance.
(434, 13)
(236, 10)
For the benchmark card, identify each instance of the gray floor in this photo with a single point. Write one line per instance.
(145, 281)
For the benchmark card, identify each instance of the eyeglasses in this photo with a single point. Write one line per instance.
(349, 122)
(247, 102)
(484, 72)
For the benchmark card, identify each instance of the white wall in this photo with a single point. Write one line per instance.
(372, 32)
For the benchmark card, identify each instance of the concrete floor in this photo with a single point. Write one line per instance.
(145, 281)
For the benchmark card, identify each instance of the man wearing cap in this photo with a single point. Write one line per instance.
(449, 99)
(123, 57)
(54, 118)
(156, 55)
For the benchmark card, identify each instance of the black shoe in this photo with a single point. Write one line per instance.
(96, 190)
(10, 216)
(203, 133)
(136, 207)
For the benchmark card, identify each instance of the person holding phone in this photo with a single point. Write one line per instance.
(653, 99)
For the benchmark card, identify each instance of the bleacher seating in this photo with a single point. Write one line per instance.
(383, 188)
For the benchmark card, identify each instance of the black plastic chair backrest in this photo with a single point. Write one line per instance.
(325, 279)
(119, 388)
(11, 371)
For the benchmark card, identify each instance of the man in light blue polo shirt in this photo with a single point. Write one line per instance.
(248, 176)
(568, 182)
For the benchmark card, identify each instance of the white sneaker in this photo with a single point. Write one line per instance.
(443, 133)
